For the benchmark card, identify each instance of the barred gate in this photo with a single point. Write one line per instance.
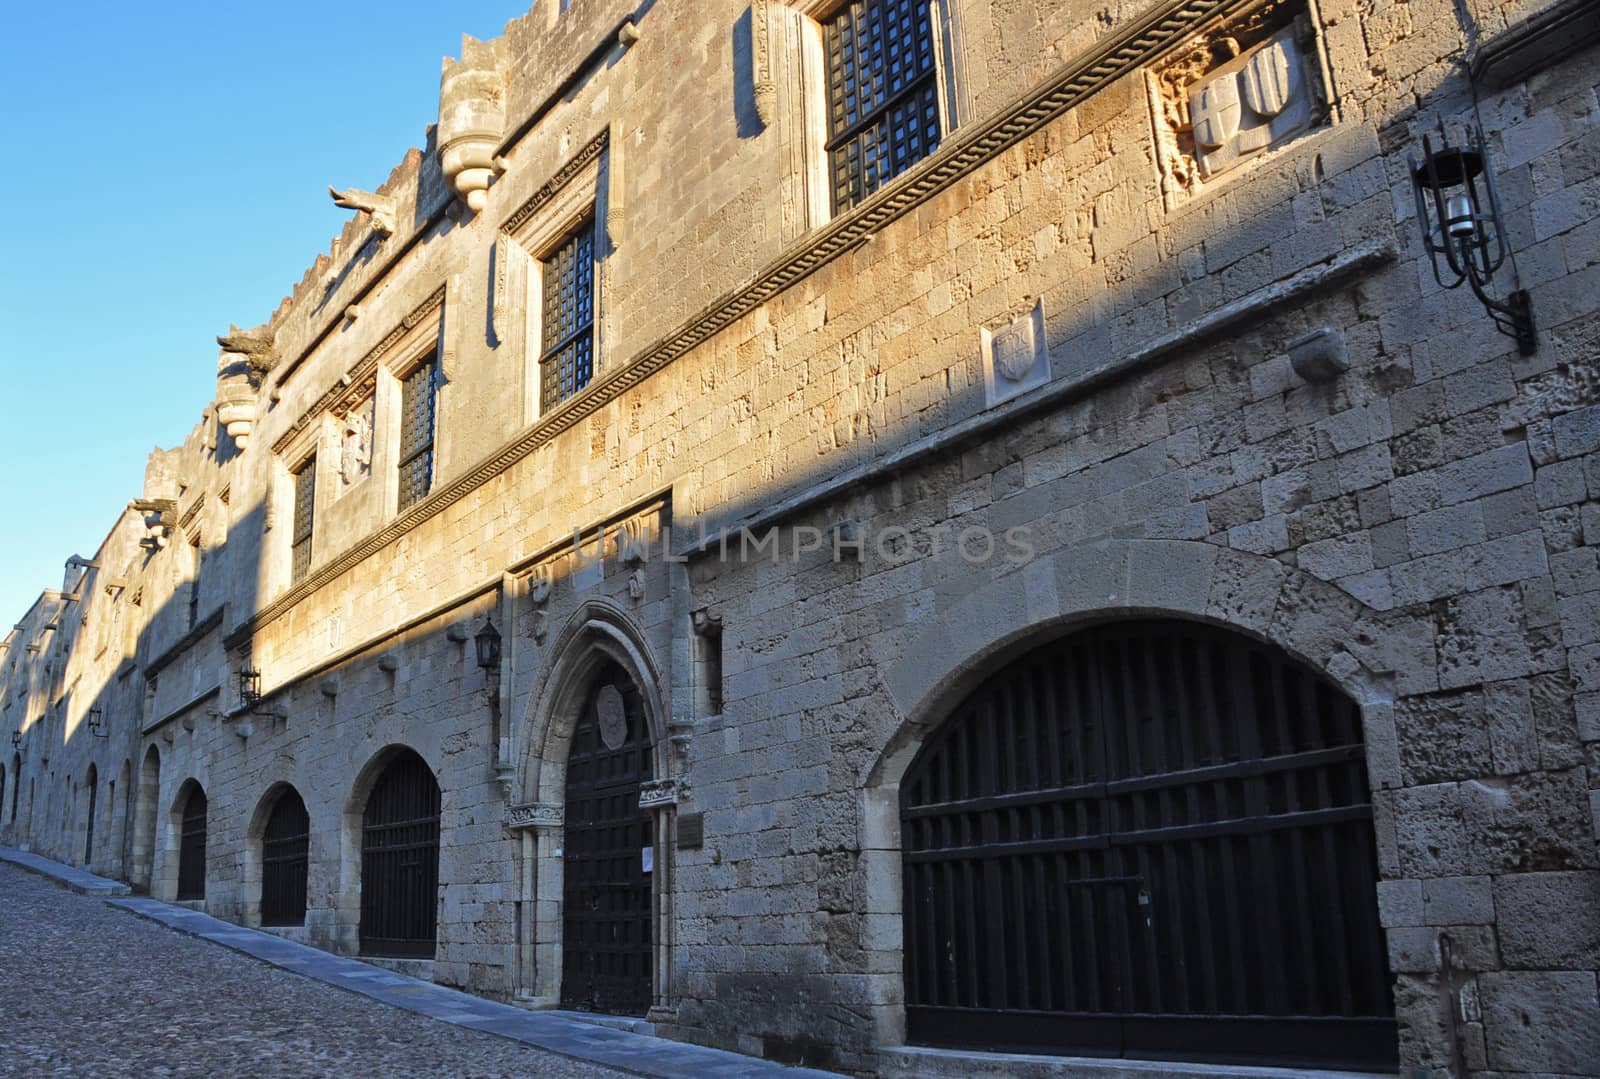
(1148, 839)
(400, 861)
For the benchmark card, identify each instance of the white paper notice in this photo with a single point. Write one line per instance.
(647, 858)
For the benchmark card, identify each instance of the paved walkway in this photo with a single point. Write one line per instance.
(41, 928)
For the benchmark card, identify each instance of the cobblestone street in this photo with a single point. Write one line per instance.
(89, 990)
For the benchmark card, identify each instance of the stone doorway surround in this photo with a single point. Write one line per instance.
(596, 634)
(1314, 622)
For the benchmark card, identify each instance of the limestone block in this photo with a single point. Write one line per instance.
(1549, 920)
(1546, 1021)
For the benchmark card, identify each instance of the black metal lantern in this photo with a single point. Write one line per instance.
(16, 739)
(97, 723)
(249, 685)
(1458, 209)
(487, 640)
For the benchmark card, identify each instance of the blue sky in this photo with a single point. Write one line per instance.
(165, 173)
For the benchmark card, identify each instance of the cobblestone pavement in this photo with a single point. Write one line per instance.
(88, 990)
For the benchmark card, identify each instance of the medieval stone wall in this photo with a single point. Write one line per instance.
(1420, 528)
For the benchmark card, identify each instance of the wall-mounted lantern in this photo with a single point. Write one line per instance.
(97, 723)
(16, 739)
(1458, 210)
(487, 641)
(249, 686)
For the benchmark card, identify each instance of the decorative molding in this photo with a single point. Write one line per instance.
(663, 792)
(536, 815)
(551, 187)
(764, 87)
(1118, 54)
(359, 382)
(1545, 38)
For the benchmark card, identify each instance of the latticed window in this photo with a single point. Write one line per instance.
(566, 353)
(883, 101)
(305, 504)
(418, 393)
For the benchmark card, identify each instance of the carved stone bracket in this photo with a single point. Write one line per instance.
(663, 792)
(536, 815)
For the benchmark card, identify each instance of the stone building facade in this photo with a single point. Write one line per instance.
(789, 447)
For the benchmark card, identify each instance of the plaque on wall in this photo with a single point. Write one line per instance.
(691, 831)
(611, 716)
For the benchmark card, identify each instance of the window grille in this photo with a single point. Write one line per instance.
(883, 102)
(305, 498)
(418, 394)
(566, 357)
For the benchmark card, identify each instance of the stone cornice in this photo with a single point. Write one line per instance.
(357, 382)
(1542, 39)
(1118, 54)
(201, 628)
(552, 186)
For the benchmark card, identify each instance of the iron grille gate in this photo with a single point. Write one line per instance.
(1151, 839)
(606, 955)
(192, 847)
(285, 854)
(400, 861)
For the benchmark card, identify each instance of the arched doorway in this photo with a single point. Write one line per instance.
(90, 782)
(145, 820)
(192, 843)
(607, 951)
(400, 861)
(285, 856)
(1148, 839)
(16, 783)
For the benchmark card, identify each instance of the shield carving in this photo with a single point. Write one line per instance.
(1267, 81)
(1214, 112)
(612, 716)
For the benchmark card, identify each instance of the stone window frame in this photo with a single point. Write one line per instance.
(311, 443)
(799, 69)
(417, 345)
(581, 189)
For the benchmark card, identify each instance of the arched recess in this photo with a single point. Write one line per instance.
(119, 811)
(598, 642)
(146, 814)
(280, 857)
(16, 783)
(190, 817)
(91, 796)
(1001, 620)
(391, 842)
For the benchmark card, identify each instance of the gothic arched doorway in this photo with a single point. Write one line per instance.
(1147, 839)
(91, 781)
(607, 951)
(400, 861)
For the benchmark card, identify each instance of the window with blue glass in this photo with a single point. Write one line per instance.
(883, 98)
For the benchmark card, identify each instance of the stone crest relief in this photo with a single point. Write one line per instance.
(1252, 102)
(611, 717)
(1015, 358)
(355, 449)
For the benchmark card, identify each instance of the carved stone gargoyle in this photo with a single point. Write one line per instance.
(380, 208)
(254, 346)
(160, 518)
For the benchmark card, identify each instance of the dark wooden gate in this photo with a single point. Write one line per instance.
(400, 861)
(88, 838)
(1148, 839)
(606, 925)
(285, 851)
(192, 847)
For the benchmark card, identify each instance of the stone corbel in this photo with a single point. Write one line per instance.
(654, 793)
(540, 582)
(472, 119)
(160, 519)
(536, 815)
(378, 207)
